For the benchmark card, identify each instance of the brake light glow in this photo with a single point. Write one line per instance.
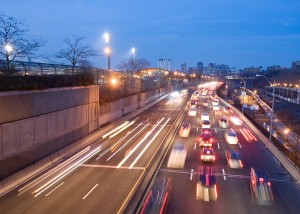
(261, 180)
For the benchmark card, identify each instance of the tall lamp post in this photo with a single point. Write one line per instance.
(243, 95)
(108, 52)
(271, 125)
(106, 38)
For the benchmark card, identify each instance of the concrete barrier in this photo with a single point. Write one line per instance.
(42, 165)
(285, 161)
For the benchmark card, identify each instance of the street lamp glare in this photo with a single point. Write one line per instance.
(133, 50)
(8, 48)
(107, 50)
(106, 37)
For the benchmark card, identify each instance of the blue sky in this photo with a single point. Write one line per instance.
(239, 33)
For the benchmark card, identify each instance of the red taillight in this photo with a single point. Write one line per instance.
(261, 180)
(241, 163)
(269, 183)
(214, 157)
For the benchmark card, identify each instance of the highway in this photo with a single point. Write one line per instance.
(233, 185)
(100, 178)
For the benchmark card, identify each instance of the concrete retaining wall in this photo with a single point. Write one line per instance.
(34, 124)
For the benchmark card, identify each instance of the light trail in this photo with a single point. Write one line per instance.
(64, 173)
(146, 147)
(51, 172)
(123, 128)
(135, 148)
(126, 143)
(113, 147)
(115, 129)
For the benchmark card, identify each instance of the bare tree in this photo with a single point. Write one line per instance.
(76, 52)
(13, 45)
(133, 65)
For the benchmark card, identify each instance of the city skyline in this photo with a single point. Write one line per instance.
(238, 34)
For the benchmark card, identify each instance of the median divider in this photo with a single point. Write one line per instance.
(284, 161)
(134, 203)
(35, 169)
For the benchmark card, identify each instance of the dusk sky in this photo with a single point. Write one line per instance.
(238, 33)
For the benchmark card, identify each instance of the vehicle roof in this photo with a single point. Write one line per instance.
(205, 114)
(209, 180)
(179, 146)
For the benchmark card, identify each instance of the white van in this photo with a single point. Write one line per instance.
(204, 116)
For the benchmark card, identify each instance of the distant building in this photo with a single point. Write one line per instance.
(199, 67)
(253, 70)
(275, 68)
(296, 66)
(183, 67)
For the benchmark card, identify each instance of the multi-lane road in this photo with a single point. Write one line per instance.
(102, 177)
(233, 185)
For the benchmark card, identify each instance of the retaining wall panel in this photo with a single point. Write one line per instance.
(1, 143)
(39, 103)
(52, 129)
(61, 122)
(25, 133)
(9, 138)
(8, 108)
(40, 124)
(70, 119)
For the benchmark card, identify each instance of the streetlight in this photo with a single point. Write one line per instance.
(287, 133)
(8, 49)
(108, 52)
(106, 37)
(133, 50)
(271, 125)
(243, 94)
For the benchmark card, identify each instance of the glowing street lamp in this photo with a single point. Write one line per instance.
(8, 48)
(108, 52)
(106, 37)
(287, 133)
(133, 50)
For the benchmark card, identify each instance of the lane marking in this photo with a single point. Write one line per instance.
(54, 189)
(224, 174)
(102, 154)
(218, 146)
(216, 131)
(191, 177)
(197, 129)
(90, 192)
(111, 167)
(240, 146)
(276, 161)
(195, 145)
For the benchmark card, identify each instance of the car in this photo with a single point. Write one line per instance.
(235, 120)
(260, 187)
(205, 124)
(231, 137)
(227, 110)
(206, 188)
(215, 102)
(233, 159)
(205, 102)
(178, 155)
(215, 107)
(185, 130)
(192, 112)
(193, 103)
(223, 123)
(204, 116)
(205, 138)
(207, 154)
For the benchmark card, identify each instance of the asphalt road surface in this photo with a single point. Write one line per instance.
(101, 177)
(233, 186)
